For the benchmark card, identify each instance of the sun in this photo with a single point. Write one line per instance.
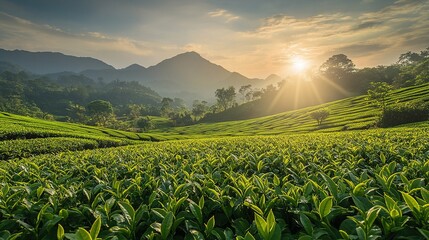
(299, 64)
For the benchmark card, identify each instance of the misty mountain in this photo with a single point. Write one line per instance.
(50, 62)
(187, 75)
(273, 78)
(6, 66)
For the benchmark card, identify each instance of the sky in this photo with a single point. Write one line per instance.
(253, 37)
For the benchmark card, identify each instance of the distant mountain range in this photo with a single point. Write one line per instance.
(187, 75)
(50, 62)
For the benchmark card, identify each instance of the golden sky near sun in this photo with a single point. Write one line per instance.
(251, 37)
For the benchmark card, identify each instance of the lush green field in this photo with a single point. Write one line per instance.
(351, 113)
(352, 185)
(24, 136)
(367, 184)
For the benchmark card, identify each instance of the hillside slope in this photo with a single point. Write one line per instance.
(346, 114)
(25, 136)
(50, 62)
(187, 75)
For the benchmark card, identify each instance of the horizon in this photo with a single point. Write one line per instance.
(252, 38)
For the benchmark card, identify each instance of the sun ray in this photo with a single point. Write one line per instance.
(299, 64)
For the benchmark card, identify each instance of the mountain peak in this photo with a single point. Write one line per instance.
(184, 60)
(273, 77)
(51, 62)
(134, 66)
(191, 54)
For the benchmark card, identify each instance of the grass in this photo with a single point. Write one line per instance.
(307, 183)
(22, 136)
(351, 113)
(307, 186)
(348, 114)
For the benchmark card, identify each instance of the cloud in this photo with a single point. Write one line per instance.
(222, 13)
(366, 25)
(364, 37)
(361, 49)
(253, 44)
(23, 34)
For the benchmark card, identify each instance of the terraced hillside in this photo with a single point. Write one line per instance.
(24, 136)
(350, 113)
(347, 185)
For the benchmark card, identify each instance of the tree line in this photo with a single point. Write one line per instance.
(129, 105)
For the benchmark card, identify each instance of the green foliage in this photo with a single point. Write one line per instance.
(320, 115)
(145, 123)
(337, 67)
(101, 112)
(32, 95)
(225, 97)
(351, 185)
(25, 136)
(354, 112)
(166, 107)
(28, 147)
(199, 108)
(402, 113)
(379, 93)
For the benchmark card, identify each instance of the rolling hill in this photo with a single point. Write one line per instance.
(25, 136)
(352, 113)
(50, 62)
(347, 114)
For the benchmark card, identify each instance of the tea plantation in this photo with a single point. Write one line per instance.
(71, 181)
(24, 136)
(349, 185)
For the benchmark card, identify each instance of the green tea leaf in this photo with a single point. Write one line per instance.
(425, 194)
(306, 223)
(166, 225)
(411, 202)
(249, 236)
(372, 214)
(344, 235)
(128, 211)
(261, 225)
(325, 207)
(210, 225)
(60, 232)
(95, 228)
(196, 211)
(82, 234)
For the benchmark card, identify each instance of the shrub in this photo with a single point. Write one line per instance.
(145, 123)
(320, 115)
(404, 113)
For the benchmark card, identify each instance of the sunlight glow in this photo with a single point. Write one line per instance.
(299, 64)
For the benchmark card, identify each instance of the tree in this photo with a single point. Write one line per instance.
(257, 95)
(225, 97)
(199, 109)
(181, 118)
(246, 92)
(414, 68)
(77, 112)
(179, 104)
(337, 67)
(166, 107)
(134, 110)
(320, 115)
(411, 58)
(145, 123)
(378, 94)
(101, 112)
